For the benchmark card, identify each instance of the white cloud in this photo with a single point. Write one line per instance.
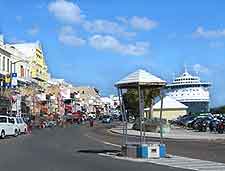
(216, 44)
(67, 36)
(200, 69)
(33, 30)
(122, 19)
(110, 43)
(201, 32)
(142, 23)
(66, 11)
(107, 27)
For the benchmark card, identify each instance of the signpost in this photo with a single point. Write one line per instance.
(14, 80)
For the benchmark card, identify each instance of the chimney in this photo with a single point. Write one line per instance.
(1, 39)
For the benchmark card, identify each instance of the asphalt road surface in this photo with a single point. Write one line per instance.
(63, 149)
(199, 149)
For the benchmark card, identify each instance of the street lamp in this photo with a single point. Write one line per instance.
(13, 63)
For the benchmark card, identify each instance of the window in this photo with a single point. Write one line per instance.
(11, 70)
(7, 65)
(17, 120)
(21, 120)
(21, 71)
(3, 120)
(3, 63)
(82, 92)
(11, 120)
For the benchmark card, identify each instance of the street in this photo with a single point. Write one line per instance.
(58, 149)
(77, 148)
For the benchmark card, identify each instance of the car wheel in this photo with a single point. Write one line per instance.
(3, 134)
(25, 131)
(16, 133)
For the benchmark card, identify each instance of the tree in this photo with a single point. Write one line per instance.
(131, 100)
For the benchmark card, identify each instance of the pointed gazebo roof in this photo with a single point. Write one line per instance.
(140, 77)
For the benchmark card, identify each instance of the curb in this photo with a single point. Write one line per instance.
(172, 138)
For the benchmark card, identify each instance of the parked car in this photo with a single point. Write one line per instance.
(21, 125)
(50, 124)
(92, 115)
(106, 119)
(221, 127)
(8, 127)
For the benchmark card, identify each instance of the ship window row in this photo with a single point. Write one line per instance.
(186, 86)
(185, 79)
(186, 94)
(188, 90)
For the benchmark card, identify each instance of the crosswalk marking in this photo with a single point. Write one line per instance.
(179, 162)
(189, 163)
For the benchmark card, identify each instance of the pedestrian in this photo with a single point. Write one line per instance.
(29, 127)
(91, 122)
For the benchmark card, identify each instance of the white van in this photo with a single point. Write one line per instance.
(21, 125)
(8, 127)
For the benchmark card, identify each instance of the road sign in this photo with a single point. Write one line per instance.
(14, 80)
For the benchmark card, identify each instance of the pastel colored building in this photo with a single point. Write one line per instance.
(36, 59)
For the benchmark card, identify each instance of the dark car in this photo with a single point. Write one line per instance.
(106, 119)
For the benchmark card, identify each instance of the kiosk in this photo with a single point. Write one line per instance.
(141, 80)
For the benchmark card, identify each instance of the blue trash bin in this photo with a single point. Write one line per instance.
(162, 150)
(142, 151)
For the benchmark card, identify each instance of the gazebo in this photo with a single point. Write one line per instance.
(140, 80)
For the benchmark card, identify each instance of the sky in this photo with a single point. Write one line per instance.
(98, 42)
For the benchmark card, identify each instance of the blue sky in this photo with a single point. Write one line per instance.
(97, 42)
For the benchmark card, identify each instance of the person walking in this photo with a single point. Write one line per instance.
(29, 126)
(91, 121)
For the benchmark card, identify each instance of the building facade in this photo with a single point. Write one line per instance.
(35, 57)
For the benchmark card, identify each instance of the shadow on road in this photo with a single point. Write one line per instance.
(98, 151)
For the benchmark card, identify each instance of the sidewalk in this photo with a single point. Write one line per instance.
(175, 133)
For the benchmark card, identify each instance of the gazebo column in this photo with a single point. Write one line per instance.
(125, 119)
(141, 112)
(121, 109)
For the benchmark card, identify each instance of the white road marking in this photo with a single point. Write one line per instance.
(178, 162)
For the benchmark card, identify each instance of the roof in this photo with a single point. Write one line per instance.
(169, 103)
(140, 77)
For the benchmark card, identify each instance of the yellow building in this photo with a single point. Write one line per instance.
(35, 57)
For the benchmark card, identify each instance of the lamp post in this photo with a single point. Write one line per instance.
(11, 64)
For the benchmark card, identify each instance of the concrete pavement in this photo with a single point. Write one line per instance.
(175, 133)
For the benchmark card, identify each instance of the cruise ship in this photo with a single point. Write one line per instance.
(190, 91)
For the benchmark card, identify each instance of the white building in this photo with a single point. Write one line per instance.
(13, 61)
(172, 109)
